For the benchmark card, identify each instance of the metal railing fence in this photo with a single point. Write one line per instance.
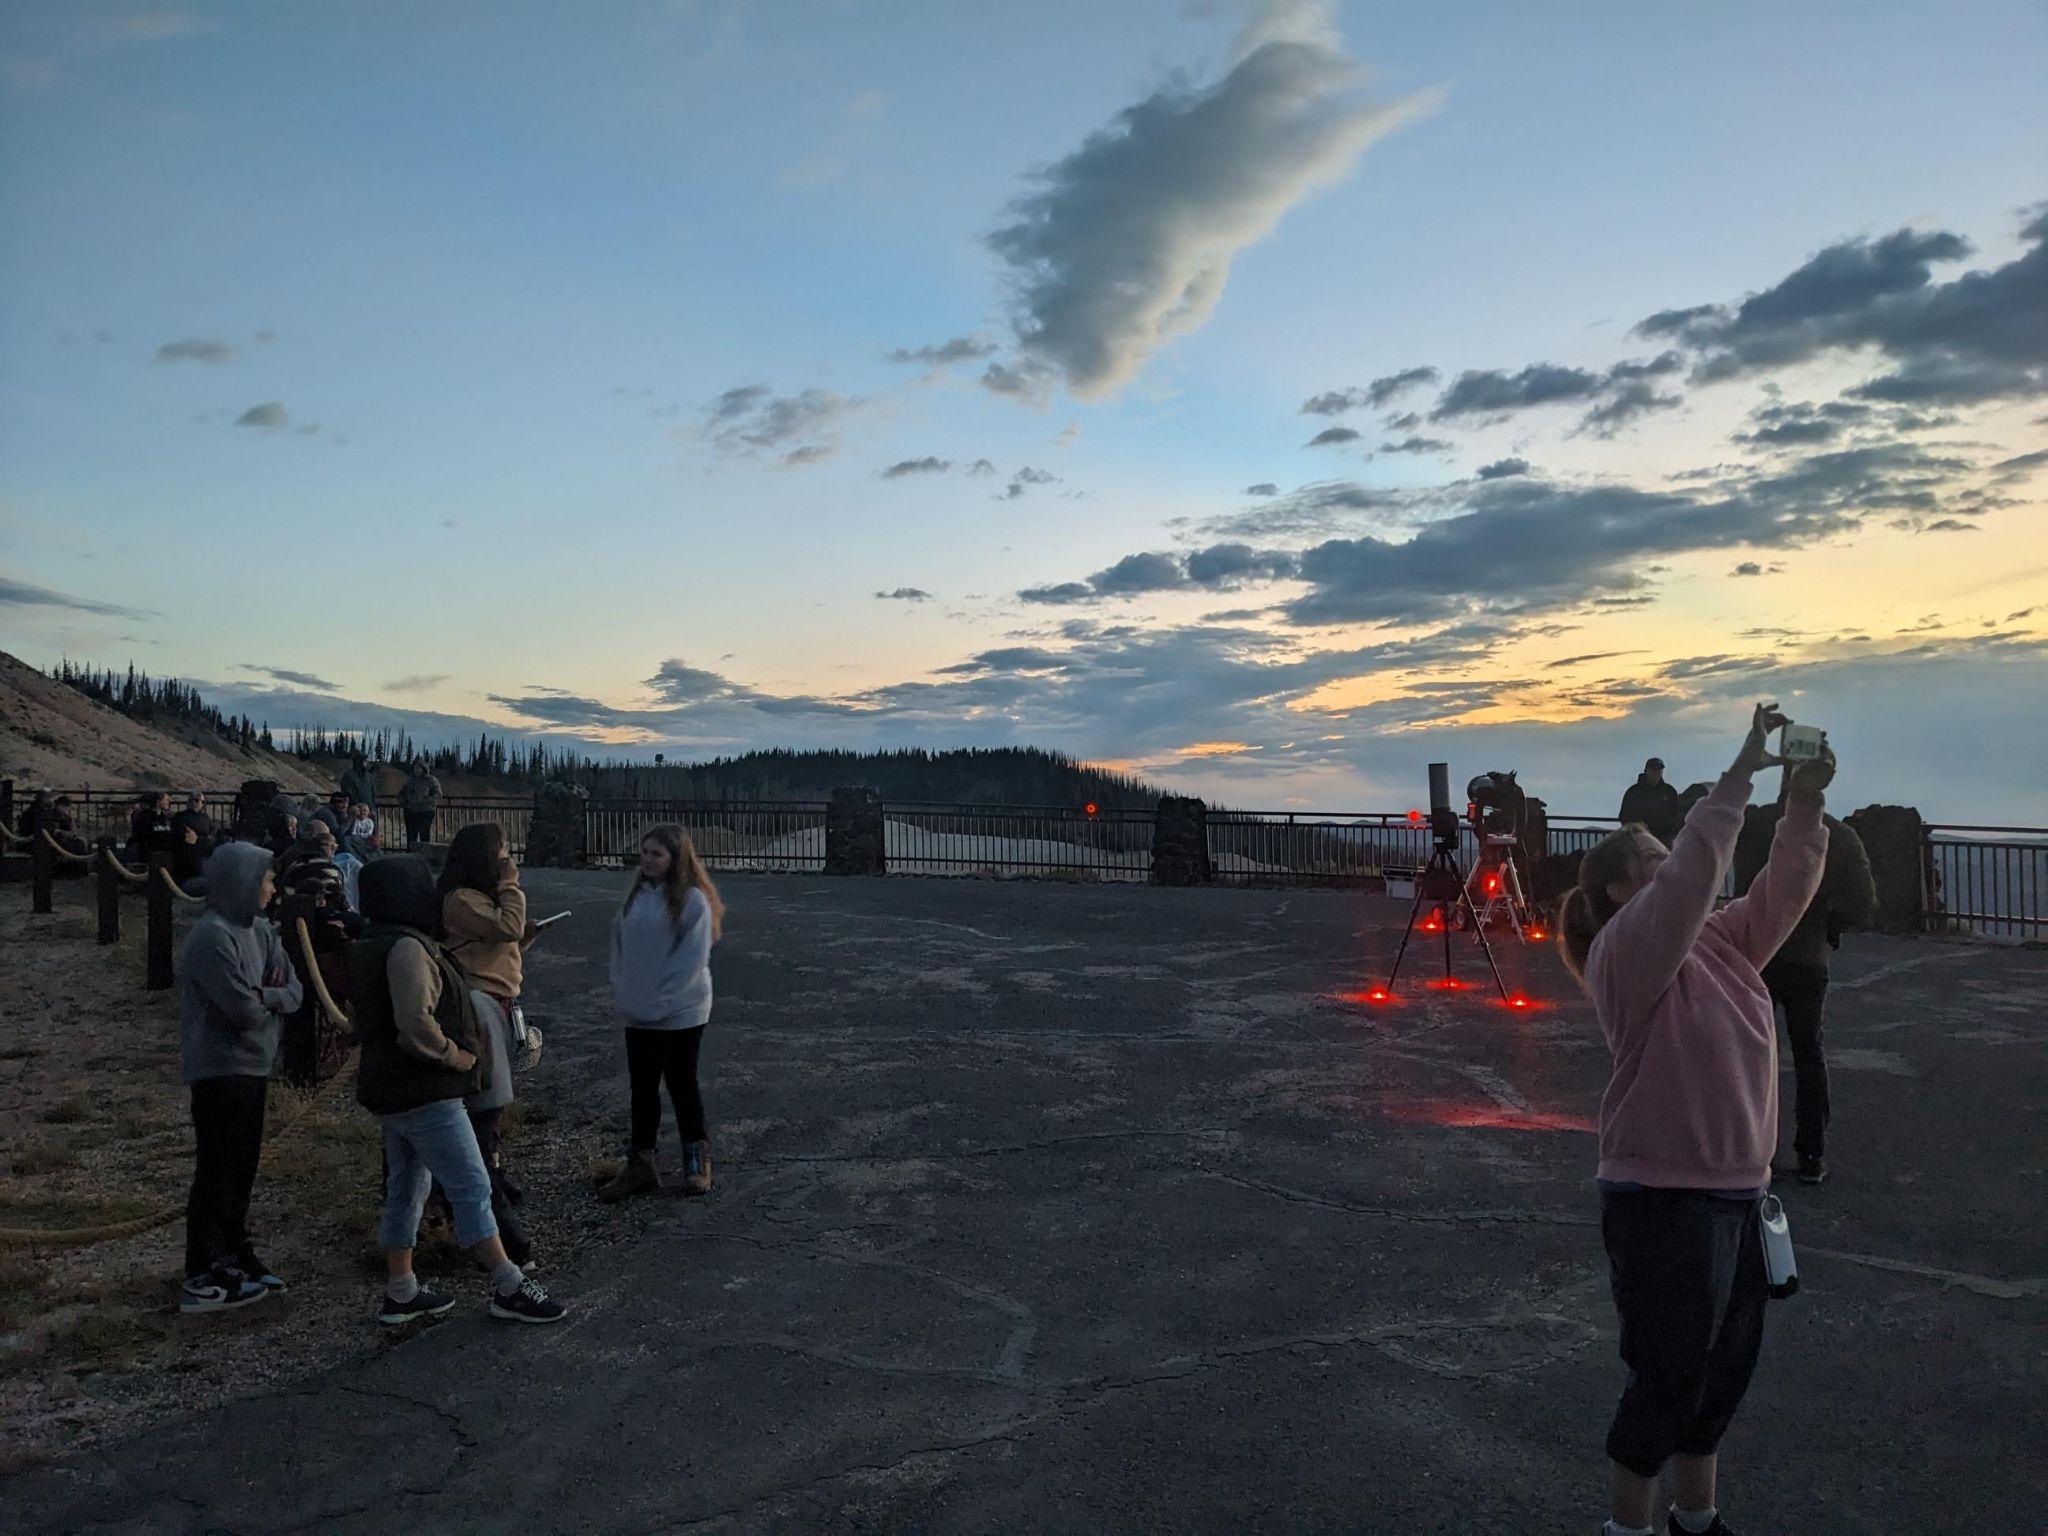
(1986, 880)
(775, 836)
(947, 839)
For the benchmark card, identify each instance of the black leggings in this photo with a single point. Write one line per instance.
(227, 1125)
(652, 1057)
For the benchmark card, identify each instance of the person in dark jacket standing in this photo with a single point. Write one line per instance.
(150, 830)
(420, 1058)
(1797, 975)
(421, 797)
(1653, 804)
(189, 853)
(359, 781)
(236, 986)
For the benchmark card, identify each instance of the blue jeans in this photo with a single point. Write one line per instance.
(421, 1145)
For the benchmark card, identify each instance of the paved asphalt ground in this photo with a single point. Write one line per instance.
(1050, 1207)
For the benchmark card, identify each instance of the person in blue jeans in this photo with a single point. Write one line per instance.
(421, 1055)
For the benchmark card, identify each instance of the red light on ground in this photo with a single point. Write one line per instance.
(1415, 818)
(1432, 926)
(1378, 995)
(1448, 984)
(1536, 933)
(1520, 1002)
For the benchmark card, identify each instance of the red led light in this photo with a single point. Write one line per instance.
(1091, 807)
(1415, 818)
(1535, 933)
(1448, 984)
(1520, 1000)
(1493, 882)
(1377, 995)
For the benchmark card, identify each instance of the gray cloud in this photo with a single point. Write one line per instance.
(1263, 488)
(287, 675)
(1337, 401)
(194, 349)
(1501, 469)
(800, 428)
(23, 594)
(924, 466)
(1981, 336)
(1128, 241)
(1617, 396)
(1417, 445)
(960, 349)
(416, 682)
(981, 467)
(1024, 479)
(1332, 435)
(270, 414)
(906, 595)
(1023, 382)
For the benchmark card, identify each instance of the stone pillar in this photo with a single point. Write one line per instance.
(856, 842)
(1180, 842)
(558, 836)
(1908, 898)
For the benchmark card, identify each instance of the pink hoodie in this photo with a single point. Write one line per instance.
(1693, 1103)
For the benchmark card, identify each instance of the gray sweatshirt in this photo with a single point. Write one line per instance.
(235, 981)
(661, 973)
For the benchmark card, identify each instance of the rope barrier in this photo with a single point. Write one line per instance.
(61, 851)
(12, 836)
(132, 876)
(336, 1014)
(177, 890)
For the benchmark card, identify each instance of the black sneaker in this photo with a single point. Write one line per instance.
(220, 1289)
(259, 1271)
(1812, 1170)
(1720, 1527)
(529, 1304)
(426, 1303)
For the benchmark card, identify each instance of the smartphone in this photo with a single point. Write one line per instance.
(1802, 743)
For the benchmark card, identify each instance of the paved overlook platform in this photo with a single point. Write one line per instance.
(1052, 1207)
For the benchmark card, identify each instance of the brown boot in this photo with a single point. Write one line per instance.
(697, 1167)
(636, 1178)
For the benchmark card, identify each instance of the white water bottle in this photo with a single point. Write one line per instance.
(1781, 1269)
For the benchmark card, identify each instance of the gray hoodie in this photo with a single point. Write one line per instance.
(234, 978)
(661, 973)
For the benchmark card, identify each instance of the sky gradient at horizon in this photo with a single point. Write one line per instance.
(592, 375)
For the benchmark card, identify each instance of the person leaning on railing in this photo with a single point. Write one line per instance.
(1690, 1117)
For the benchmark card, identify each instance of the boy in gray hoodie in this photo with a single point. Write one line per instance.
(236, 986)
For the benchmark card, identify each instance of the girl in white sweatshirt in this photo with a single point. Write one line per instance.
(661, 980)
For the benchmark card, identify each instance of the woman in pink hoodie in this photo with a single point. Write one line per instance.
(1690, 1117)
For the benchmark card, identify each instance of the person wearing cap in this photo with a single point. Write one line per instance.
(1652, 804)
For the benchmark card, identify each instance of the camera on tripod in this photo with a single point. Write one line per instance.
(1497, 806)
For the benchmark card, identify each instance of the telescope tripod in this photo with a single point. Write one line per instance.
(1504, 889)
(1440, 874)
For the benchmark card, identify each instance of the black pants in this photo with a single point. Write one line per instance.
(419, 827)
(227, 1119)
(518, 1247)
(1802, 991)
(1687, 1271)
(654, 1056)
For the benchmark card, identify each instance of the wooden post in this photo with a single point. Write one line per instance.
(160, 976)
(110, 892)
(44, 859)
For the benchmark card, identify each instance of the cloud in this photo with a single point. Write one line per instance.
(924, 466)
(1330, 436)
(416, 682)
(270, 414)
(1979, 337)
(23, 594)
(1337, 401)
(286, 675)
(194, 349)
(981, 467)
(1417, 445)
(1065, 592)
(960, 349)
(1618, 396)
(1754, 568)
(1026, 478)
(1216, 568)
(801, 428)
(1263, 488)
(1501, 469)
(1024, 382)
(1128, 241)
(906, 595)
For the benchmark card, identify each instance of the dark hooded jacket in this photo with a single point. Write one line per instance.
(1655, 806)
(236, 984)
(411, 1004)
(1846, 899)
(360, 785)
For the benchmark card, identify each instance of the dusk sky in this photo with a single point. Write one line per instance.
(1265, 398)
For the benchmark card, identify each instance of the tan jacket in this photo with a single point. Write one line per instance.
(415, 996)
(484, 934)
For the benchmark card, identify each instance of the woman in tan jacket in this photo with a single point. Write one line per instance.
(483, 915)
